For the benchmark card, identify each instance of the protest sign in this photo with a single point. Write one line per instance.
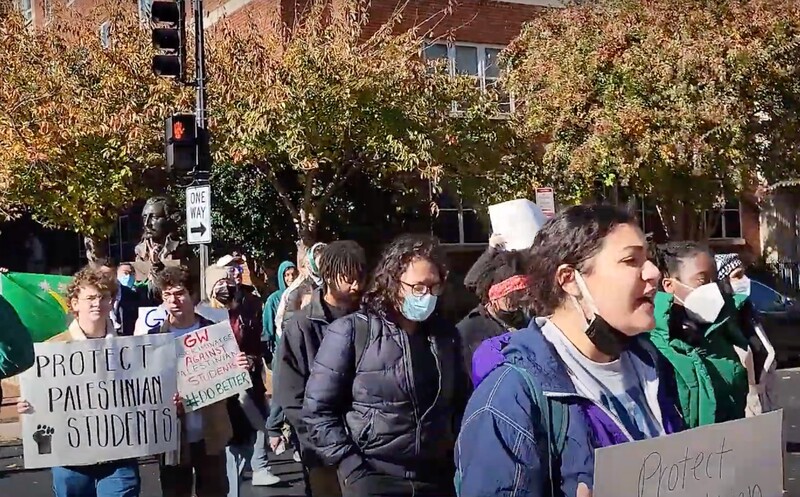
(207, 370)
(149, 318)
(517, 221)
(741, 458)
(99, 400)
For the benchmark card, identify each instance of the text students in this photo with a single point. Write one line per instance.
(90, 296)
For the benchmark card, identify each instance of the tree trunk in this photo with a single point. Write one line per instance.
(96, 249)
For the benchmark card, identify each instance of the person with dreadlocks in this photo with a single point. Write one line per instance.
(502, 288)
(343, 268)
(697, 331)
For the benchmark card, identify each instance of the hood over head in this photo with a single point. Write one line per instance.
(285, 266)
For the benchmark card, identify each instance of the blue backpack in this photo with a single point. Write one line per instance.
(555, 419)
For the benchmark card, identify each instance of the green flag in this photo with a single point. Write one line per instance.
(39, 300)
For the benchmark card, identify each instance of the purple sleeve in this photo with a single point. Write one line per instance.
(487, 356)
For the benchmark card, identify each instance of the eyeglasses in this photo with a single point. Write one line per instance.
(96, 298)
(421, 289)
(178, 294)
(234, 270)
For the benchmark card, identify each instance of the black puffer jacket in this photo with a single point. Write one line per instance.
(369, 414)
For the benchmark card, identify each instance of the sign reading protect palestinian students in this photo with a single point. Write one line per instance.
(207, 370)
(99, 400)
(742, 458)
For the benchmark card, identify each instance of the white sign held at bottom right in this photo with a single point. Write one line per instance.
(742, 458)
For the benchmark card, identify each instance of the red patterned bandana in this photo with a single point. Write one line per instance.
(512, 284)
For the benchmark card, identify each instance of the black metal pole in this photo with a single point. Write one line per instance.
(203, 167)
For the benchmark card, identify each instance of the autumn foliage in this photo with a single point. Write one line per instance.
(685, 102)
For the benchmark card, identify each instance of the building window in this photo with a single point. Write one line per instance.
(456, 223)
(26, 9)
(105, 34)
(144, 10)
(477, 61)
(725, 223)
(645, 212)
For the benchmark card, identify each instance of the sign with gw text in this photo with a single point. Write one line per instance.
(742, 458)
(207, 370)
(99, 400)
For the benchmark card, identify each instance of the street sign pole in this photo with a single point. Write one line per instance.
(203, 169)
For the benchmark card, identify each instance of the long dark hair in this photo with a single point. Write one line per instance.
(384, 287)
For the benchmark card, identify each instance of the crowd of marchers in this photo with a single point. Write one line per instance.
(589, 338)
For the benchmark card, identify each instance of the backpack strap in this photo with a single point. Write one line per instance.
(554, 419)
(361, 335)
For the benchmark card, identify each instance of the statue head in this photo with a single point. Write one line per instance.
(160, 218)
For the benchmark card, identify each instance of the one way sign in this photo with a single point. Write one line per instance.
(198, 214)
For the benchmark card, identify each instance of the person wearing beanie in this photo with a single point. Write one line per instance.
(759, 357)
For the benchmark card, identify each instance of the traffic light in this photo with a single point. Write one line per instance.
(170, 41)
(181, 134)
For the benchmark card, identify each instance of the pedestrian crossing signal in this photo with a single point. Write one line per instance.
(181, 143)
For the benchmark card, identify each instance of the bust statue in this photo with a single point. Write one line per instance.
(161, 244)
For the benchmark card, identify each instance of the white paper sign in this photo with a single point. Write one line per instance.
(99, 400)
(546, 200)
(149, 318)
(742, 458)
(207, 372)
(517, 221)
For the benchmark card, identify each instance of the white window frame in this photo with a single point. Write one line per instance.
(481, 76)
(723, 225)
(460, 210)
(28, 12)
(105, 34)
(144, 10)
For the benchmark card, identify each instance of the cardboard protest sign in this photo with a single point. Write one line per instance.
(741, 458)
(207, 372)
(517, 221)
(149, 318)
(99, 400)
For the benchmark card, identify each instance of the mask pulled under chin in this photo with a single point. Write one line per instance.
(608, 340)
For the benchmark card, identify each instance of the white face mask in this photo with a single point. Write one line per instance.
(704, 303)
(742, 285)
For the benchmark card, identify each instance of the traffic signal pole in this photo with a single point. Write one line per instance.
(203, 169)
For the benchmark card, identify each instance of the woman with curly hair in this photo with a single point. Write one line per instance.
(90, 295)
(385, 392)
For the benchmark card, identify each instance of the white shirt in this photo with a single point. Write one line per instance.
(622, 386)
(193, 420)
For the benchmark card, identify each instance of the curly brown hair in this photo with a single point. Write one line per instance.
(174, 276)
(91, 276)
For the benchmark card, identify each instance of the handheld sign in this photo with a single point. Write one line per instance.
(207, 372)
(149, 318)
(517, 221)
(99, 400)
(546, 200)
(742, 458)
(198, 215)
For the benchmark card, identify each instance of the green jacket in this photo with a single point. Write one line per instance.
(712, 382)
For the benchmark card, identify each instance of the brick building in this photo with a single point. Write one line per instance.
(470, 34)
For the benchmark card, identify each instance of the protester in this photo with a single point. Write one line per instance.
(503, 290)
(299, 292)
(343, 267)
(696, 330)
(127, 301)
(387, 385)
(475, 273)
(287, 273)
(759, 357)
(591, 277)
(90, 295)
(205, 432)
(248, 410)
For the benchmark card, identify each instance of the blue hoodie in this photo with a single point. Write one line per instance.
(271, 306)
(499, 450)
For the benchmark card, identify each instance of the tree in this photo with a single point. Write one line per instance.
(319, 102)
(81, 124)
(685, 102)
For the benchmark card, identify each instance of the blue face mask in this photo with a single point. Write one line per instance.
(418, 308)
(126, 280)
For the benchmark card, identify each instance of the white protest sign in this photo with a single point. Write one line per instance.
(149, 318)
(546, 200)
(742, 458)
(207, 372)
(517, 221)
(99, 400)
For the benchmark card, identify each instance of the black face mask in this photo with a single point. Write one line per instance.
(225, 294)
(513, 319)
(608, 340)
